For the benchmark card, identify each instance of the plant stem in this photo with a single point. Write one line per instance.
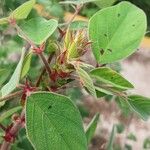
(13, 131)
(45, 63)
(44, 70)
(11, 96)
(78, 8)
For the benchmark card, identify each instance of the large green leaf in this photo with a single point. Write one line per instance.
(39, 29)
(116, 32)
(8, 113)
(14, 80)
(23, 11)
(111, 77)
(86, 80)
(92, 127)
(104, 3)
(140, 105)
(54, 123)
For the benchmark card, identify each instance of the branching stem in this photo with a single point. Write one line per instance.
(13, 131)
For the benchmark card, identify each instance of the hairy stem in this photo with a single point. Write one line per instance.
(13, 131)
(44, 70)
(45, 63)
(11, 96)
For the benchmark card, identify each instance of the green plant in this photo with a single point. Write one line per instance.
(50, 118)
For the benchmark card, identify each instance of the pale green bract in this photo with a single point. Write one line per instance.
(15, 78)
(116, 32)
(54, 123)
(39, 29)
(86, 80)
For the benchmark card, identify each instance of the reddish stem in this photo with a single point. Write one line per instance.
(13, 131)
(45, 63)
(44, 70)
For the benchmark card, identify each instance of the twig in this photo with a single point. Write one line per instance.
(11, 96)
(13, 131)
(77, 10)
(44, 70)
(45, 63)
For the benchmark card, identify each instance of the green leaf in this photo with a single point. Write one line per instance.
(23, 11)
(14, 80)
(100, 92)
(10, 112)
(3, 21)
(116, 32)
(2, 104)
(86, 80)
(111, 139)
(111, 77)
(124, 106)
(4, 74)
(104, 3)
(141, 105)
(78, 25)
(26, 64)
(39, 29)
(132, 137)
(54, 122)
(92, 127)
(77, 2)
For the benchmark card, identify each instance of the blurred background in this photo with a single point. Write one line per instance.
(132, 132)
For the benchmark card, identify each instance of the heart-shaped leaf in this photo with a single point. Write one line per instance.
(116, 32)
(39, 29)
(111, 77)
(54, 122)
